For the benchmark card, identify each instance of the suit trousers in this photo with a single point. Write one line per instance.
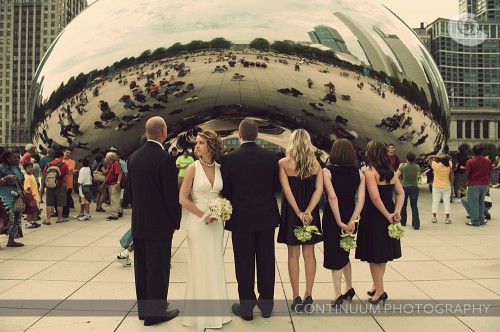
(152, 274)
(251, 248)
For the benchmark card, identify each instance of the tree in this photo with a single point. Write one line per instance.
(220, 43)
(175, 49)
(196, 45)
(159, 53)
(144, 56)
(260, 44)
(281, 47)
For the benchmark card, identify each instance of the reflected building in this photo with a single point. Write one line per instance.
(375, 55)
(200, 72)
(329, 37)
(409, 68)
(27, 29)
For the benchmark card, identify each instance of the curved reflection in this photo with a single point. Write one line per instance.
(335, 68)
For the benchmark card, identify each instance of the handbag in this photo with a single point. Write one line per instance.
(99, 176)
(5, 217)
(19, 204)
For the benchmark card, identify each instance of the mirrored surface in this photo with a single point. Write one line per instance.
(336, 68)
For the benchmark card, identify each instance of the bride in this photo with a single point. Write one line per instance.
(206, 300)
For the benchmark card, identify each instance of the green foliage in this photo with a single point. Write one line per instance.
(260, 44)
(220, 43)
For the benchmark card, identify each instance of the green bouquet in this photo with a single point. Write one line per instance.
(304, 233)
(396, 231)
(348, 241)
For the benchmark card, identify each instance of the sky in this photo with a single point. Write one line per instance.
(413, 12)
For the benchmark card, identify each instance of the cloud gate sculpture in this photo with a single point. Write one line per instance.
(336, 68)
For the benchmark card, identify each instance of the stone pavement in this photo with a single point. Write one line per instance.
(41, 282)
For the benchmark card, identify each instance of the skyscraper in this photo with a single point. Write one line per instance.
(329, 37)
(27, 28)
(470, 70)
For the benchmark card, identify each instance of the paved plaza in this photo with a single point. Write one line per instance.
(43, 285)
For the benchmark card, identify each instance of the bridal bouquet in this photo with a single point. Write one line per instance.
(396, 231)
(347, 241)
(221, 209)
(304, 233)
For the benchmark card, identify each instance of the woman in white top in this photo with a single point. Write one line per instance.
(85, 191)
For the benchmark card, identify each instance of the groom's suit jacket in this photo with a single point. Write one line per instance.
(251, 178)
(154, 193)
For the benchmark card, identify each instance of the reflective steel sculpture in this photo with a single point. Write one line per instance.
(337, 68)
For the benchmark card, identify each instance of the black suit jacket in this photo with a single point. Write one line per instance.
(154, 193)
(251, 178)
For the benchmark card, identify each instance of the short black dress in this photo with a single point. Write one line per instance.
(345, 181)
(373, 242)
(302, 190)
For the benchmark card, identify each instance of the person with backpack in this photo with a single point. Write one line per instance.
(56, 176)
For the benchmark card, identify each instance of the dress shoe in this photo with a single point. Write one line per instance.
(349, 295)
(169, 315)
(236, 309)
(382, 298)
(297, 305)
(307, 304)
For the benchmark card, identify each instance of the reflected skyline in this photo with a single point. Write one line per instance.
(357, 72)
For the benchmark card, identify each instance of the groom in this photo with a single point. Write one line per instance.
(251, 177)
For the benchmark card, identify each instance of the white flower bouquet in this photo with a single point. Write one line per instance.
(221, 209)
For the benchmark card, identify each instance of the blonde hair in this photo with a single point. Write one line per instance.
(301, 150)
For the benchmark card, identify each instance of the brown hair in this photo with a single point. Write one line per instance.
(248, 129)
(343, 153)
(214, 143)
(377, 157)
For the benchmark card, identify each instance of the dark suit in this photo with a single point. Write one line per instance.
(251, 178)
(156, 214)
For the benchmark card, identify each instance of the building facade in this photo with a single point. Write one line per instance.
(27, 29)
(471, 73)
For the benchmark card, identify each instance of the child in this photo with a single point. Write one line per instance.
(85, 191)
(31, 186)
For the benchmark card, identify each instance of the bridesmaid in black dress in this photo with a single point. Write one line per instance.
(374, 244)
(341, 180)
(302, 182)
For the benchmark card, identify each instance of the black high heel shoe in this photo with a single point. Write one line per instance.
(307, 301)
(338, 302)
(370, 293)
(349, 295)
(297, 305)
(382, 298)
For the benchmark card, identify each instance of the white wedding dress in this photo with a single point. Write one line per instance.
(206, 300)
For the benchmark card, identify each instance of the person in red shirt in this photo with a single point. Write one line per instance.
(30, 149)
(114, 175)
(393, 158)
(477, 175)
(57, 196)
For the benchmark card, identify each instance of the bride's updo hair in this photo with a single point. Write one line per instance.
(214, 143)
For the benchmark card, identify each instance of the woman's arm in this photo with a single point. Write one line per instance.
(287, 191)
(361, 197)
(316, 195)
(399, 194)
(333, 200)
(371, 186)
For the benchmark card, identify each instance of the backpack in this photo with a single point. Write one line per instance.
(53, 176)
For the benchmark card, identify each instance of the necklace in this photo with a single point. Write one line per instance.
(208, 165)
